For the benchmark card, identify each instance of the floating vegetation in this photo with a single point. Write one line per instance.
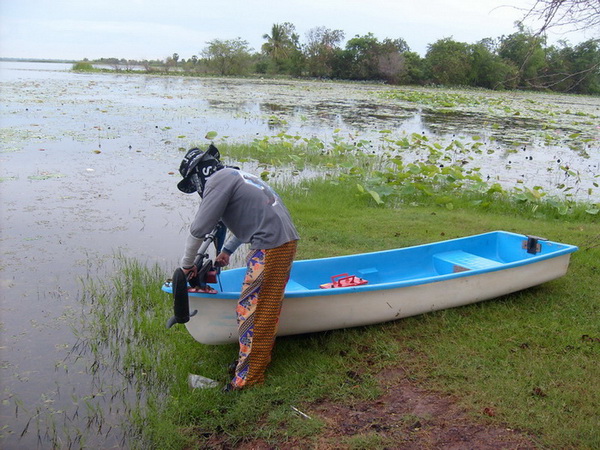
(434, 98)
(45, 176)
(276, 121)
(413, 166)
(504, 110)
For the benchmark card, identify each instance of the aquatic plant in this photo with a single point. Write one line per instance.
(515, 114)
(427, 181)
(434, 98)
(413, 168)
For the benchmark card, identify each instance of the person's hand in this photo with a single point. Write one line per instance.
(190, 272)
(222, 259)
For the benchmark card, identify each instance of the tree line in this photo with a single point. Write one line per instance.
(521, 60)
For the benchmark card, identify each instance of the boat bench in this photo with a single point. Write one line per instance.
(294, 286)
(461, 261)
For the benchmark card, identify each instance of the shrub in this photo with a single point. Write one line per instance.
(83, 66)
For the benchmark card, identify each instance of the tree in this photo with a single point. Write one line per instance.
(366, 58)
(362, 57)
(575, 14)
(449, 62)
(283, 48)
(488, 70)
(570, 15)
(391, 63)
(320, 50)
(526, 52)
(228, 57)
(391, 67)
(414, 72)
(169, 64)
(584, 75)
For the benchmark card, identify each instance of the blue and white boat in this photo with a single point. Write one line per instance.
(370, 288)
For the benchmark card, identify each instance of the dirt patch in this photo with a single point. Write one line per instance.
(409, 417)
(406, 416)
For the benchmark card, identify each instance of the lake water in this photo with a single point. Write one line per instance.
(88, 170)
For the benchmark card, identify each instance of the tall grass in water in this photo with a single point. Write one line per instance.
(125, 332)
(531, 356)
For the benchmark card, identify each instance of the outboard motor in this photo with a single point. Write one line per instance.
(206, 273)
(181, 301)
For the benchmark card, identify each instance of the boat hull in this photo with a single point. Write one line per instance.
(451, 278)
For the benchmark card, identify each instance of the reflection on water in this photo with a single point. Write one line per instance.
(88, 164)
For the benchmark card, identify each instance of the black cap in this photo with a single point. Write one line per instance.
(190, 163)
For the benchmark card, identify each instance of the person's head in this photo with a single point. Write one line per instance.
(196, 167)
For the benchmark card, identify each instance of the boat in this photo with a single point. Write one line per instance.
(371, 288)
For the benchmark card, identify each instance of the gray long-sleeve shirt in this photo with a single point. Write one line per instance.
(248, 207)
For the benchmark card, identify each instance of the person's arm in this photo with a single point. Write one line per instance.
(208, 215)
(192, 244)
(230, 246)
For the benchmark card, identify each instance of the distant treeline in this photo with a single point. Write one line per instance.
(521, 60)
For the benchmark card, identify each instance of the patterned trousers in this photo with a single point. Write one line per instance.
(258, 310)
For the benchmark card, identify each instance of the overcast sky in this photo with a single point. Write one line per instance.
(155, 29)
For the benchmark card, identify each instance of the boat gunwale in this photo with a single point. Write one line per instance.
(566, 250)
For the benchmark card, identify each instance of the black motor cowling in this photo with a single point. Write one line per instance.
(206, 273)
(181, 301)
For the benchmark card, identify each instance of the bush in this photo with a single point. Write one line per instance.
(83, 66)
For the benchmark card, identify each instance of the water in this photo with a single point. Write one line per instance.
(66, 211)
(89, 169)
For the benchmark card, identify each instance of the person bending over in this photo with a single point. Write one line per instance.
(254, 214)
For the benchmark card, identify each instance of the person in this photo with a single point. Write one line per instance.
(254, 214)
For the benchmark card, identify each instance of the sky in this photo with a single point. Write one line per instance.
(155, 29)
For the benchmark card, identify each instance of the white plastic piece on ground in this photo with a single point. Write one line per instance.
(200, 382)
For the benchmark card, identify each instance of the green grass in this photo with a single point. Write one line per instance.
(531, 356)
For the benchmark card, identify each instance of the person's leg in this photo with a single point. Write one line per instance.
(258, 311)
(245, 311)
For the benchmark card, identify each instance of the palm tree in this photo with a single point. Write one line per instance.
(281, 43)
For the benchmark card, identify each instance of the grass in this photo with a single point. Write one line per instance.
(531, 356)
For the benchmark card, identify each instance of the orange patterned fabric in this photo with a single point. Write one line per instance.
(258, 310)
